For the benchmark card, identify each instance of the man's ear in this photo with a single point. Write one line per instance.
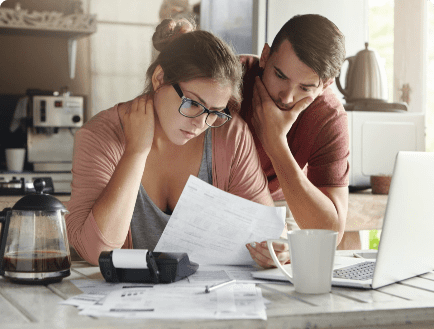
(158, 77)
(328, 83)
(264, 55)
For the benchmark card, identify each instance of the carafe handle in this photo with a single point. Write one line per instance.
(4, 220)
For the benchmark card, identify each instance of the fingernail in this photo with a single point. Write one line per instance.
(253, 244)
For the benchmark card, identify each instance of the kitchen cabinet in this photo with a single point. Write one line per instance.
(48, 24)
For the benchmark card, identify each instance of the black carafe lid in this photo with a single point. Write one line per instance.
(39, 200)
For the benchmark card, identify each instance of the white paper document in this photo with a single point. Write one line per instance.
(187, 302)
(180, 300)
(213, 226)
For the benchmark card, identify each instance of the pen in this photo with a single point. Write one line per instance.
(218, 285)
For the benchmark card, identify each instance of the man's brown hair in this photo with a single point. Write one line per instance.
(316, 41)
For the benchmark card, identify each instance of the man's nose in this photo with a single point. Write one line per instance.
(286, 96)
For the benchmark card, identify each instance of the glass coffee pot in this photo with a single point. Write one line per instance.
(34, 245)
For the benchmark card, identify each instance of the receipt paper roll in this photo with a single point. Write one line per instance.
(129, 258)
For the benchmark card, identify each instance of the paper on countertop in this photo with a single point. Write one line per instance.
(213, 226)
(101, 287)
(238, 301)
(184, 299)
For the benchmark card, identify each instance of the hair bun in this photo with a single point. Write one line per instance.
(170, 29)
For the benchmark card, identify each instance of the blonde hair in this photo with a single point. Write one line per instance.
(187, 54)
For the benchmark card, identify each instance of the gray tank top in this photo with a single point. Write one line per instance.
(148, 220)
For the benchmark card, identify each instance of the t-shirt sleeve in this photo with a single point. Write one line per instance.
(92, 169)
(328, 162)
(238, 169)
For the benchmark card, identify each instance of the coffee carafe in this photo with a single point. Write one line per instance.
(34, 245)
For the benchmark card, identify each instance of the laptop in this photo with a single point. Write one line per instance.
(406, 247)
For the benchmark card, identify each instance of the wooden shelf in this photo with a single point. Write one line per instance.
(46, 24)
(17, 22)
(46, 32)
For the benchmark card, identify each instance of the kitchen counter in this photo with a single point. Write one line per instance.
(365, 212)
(407, 304)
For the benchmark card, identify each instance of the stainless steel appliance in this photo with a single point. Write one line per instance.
(47, 124)
(366, 84)
(22, 183)
(20, 186)
(378, 129)
(34, 245)
(50, 137)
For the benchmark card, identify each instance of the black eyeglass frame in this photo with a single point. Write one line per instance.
(184, 99)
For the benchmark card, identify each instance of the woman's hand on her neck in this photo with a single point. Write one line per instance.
(115, 206)
(139, 126)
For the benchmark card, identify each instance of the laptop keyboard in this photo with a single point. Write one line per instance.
(360, 271)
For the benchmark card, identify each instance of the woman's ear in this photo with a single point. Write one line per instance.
(157, 78)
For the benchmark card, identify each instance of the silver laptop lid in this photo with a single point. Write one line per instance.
(406, 246)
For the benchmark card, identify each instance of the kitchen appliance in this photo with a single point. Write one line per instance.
(46, 124)
(378, 129)
(20, 186)
(144, 266)
(366, 84)
(34, 245)
(50, 136)
(12, 183)
(375, 139)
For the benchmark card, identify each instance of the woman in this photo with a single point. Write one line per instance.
(131, 162)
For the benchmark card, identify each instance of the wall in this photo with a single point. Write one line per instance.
(121, 50)
(41, 62)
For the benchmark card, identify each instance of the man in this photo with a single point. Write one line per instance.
(299, 125)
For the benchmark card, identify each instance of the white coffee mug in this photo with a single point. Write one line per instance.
(312, 254)
(15, 159)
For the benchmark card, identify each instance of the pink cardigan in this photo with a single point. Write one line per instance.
(98, 148)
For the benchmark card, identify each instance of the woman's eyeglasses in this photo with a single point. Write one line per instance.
(192, 109)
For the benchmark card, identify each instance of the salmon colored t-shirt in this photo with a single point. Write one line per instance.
(318, 139)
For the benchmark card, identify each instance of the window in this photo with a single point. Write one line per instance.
(381, 24)
(382, 28)
(430, 81)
